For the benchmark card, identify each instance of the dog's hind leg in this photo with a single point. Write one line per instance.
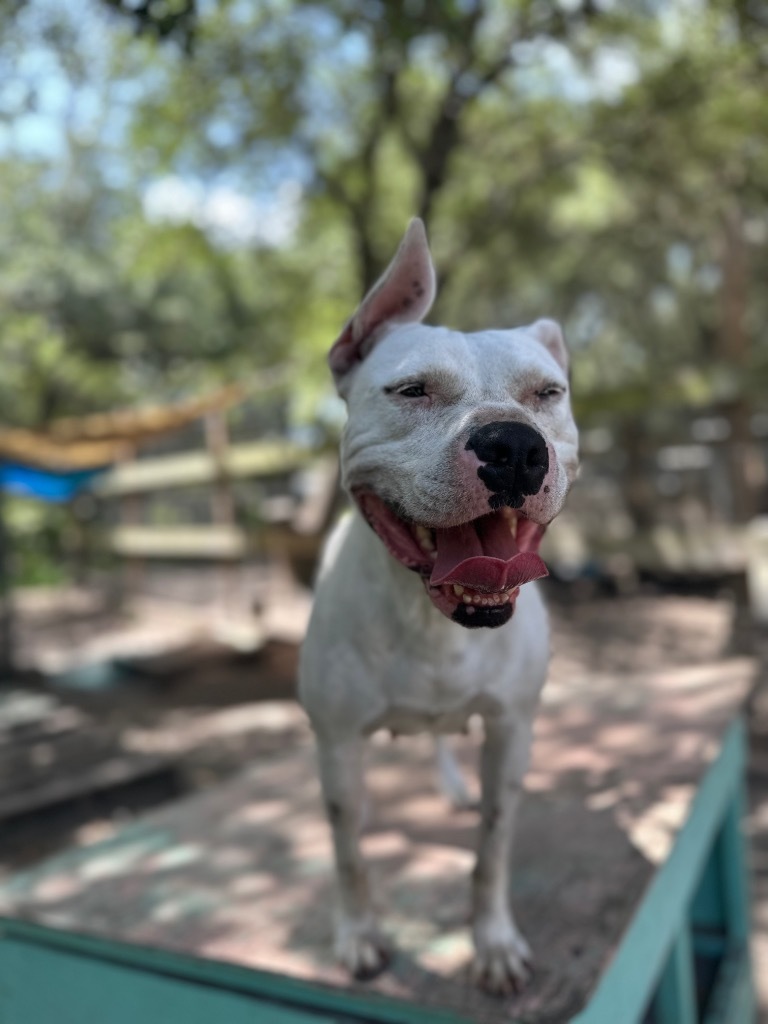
(358, 943)
(502, 956)
(452, 782)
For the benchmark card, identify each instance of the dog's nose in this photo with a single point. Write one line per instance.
(515, 460)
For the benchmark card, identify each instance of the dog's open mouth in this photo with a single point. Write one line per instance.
(473, 572)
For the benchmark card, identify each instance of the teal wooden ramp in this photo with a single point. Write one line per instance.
(52, 977)
(685, 958)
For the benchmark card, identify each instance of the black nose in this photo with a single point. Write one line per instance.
(516, 461)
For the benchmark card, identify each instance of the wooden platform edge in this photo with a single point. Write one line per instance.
(133, 982)
(116, 772)
(636, 970)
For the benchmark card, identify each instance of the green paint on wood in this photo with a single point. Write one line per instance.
(626, 988)
(675, 1001)
(733, 1001)
(39, 985)
(53, 977)
(731, 854)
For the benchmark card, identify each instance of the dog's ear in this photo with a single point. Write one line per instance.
(550, 334)
(403, 294)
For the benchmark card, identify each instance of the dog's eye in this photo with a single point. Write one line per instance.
(412, 391)
(549, 392)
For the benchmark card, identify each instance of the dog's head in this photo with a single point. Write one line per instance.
(459, 448)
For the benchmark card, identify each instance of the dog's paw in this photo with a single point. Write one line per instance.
(502, 964)
(361, 948)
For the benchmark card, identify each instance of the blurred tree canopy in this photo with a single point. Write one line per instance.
(196, 190)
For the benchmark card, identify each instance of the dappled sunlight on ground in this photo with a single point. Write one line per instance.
(242, 871)
(638, 693)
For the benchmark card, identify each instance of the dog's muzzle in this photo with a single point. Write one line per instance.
(515, 461)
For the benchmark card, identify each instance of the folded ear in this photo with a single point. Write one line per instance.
(550, 334)
(403, 294)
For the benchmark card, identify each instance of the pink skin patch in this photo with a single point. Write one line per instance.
(472, 572)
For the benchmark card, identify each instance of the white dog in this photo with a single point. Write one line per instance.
(458, 451)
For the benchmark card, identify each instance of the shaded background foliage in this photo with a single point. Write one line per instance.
(195, 191)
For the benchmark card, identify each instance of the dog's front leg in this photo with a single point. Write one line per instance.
(358, 943)
(501, 953)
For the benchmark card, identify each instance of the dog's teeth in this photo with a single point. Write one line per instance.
(475, 600)
(511, 516)
(425, 539)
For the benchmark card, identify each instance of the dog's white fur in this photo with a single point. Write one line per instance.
(379, 653)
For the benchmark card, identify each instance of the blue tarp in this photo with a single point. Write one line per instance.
(43, 484)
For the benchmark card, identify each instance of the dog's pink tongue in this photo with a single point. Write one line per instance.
(483, 555)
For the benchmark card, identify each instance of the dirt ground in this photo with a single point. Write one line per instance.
(205, 715)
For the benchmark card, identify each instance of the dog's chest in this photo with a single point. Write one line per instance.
(437, 686)
(404, 721)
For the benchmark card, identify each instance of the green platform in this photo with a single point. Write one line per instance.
(685, 958)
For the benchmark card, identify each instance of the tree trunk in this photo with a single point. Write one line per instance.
(747, 469)
(638, 484)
